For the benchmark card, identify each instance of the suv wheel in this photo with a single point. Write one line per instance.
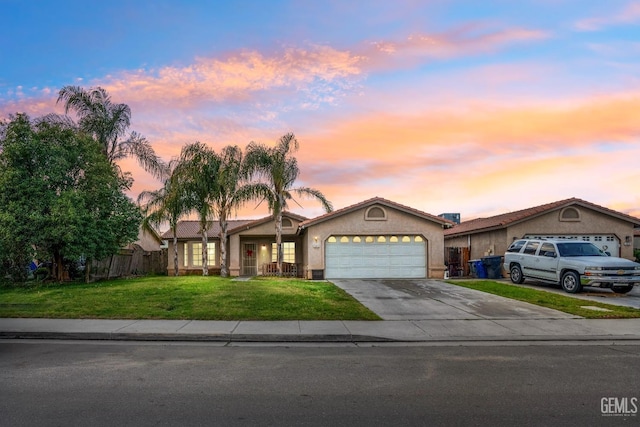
(571, 282)
(516, 274)
(622, 289)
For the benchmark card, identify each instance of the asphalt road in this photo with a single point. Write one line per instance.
(108, 384)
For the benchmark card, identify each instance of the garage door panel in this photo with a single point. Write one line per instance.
(607, 242)
(378, 259)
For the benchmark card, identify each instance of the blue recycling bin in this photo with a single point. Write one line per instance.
(477, 269)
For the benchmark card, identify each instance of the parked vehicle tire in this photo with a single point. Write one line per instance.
(571, 282)
(622, 289)
(516, 274)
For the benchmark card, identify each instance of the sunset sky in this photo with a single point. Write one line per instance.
(446, 106)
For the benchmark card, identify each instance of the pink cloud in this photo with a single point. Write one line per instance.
(235, 78)
(628, 15)
(471, 39)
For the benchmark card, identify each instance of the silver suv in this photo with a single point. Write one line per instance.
(571, 264)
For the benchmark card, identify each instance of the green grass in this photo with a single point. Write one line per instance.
(185, 297)
(550, 300)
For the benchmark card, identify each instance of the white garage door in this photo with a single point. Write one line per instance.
(607, 242)
(375, 257)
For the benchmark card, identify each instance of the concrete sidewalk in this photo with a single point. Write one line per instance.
(437, 330)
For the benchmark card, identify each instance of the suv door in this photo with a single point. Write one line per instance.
(547, 261)
(528, 259)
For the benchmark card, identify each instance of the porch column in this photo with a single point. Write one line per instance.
(234, 255)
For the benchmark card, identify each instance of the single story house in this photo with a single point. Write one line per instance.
(572, 218)
(376, 238)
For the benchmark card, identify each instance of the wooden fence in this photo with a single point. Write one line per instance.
(129, 262)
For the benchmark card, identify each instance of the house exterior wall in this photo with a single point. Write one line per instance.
(354, 223)
(185, 268)
(147, 240)
(489, 243)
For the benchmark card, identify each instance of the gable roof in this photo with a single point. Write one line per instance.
(371, 202)
(501, 221)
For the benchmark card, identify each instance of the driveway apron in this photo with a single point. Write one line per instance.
(428, 299)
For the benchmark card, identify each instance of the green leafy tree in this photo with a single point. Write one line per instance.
(108, 123)
(166, 205)
(60, 198)
(276, 170)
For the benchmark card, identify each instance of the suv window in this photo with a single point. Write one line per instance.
(516, 246)
(531, 248)
(547, 249)
(579, 249)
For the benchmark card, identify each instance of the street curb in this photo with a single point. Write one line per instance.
(283, 338)
(114, 336)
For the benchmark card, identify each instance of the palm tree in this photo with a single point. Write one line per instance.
(197, 170)
(277, 170)
(230, 194)
(108, 123)
(167, 204)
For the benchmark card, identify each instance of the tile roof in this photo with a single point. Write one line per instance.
(370, 202)
(191, 229)
(503, 220)
(256, 222)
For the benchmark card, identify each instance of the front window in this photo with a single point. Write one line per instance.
(288, 252)
(196, 254)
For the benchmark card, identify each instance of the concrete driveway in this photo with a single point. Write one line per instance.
(427, 299)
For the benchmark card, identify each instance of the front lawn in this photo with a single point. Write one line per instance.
(185, 297)
(558, 302)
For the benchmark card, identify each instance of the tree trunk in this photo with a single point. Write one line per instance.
(57, 266)
(175, 253)
(279, 242)
(87, 270)
(224, 269)
(205, 266)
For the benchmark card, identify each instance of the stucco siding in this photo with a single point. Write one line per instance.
(489, 243)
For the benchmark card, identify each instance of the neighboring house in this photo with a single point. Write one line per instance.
(636, 239)
(376, 238)
(573, 218)
(148, 239)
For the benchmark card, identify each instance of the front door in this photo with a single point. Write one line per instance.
(249, 260)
